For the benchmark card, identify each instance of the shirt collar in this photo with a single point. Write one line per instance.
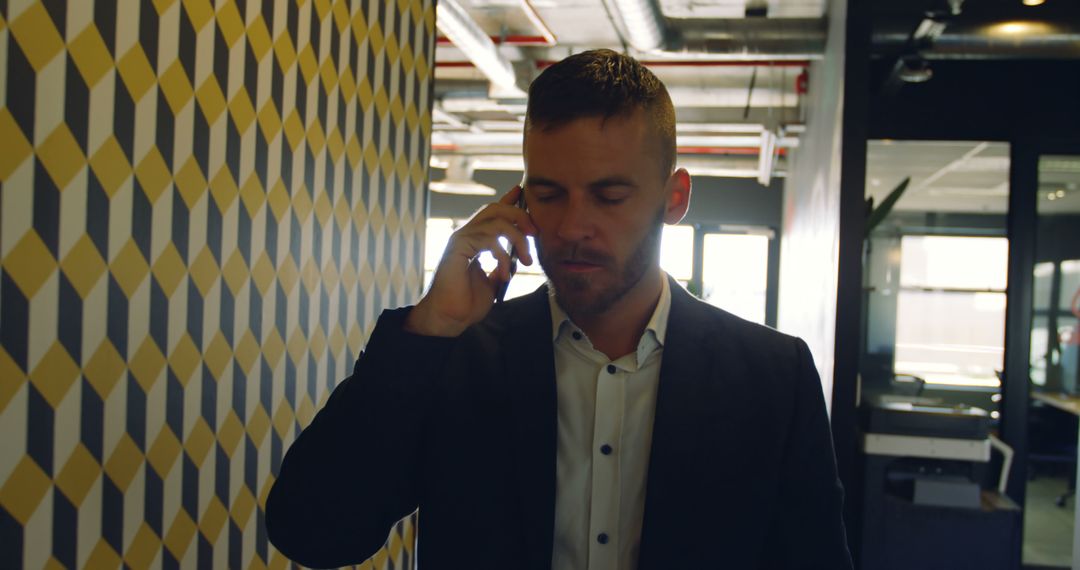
(657, 324)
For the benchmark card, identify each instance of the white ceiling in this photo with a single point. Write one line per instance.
(737, 8)
(715, 107)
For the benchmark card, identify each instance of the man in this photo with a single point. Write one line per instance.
(608, 420)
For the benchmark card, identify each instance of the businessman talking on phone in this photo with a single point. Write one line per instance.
(609, 420)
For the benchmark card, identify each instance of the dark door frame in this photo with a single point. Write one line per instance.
(1022, 229)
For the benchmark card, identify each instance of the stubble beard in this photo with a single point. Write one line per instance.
(577, 294)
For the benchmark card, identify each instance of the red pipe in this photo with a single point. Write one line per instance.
(734, 151)
(663, 63)
(506, 41)
(454, 64)
(706, 63)
(729, 150)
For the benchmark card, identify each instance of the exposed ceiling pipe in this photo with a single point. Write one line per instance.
(684, 98)
(538, 22)
(697, 62)
(511, 140)
(545, 37)
(512, 40)
(727, 165)
(506, 154)
(467, 35)
(774, 38)
(1023, 39)
(801, 63)
(646, 29)
(642, 23)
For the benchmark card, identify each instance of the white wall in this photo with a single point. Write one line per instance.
(811, 227)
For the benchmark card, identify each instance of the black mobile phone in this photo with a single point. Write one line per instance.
(501, 293)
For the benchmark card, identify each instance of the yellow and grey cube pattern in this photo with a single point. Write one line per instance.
(204, 204)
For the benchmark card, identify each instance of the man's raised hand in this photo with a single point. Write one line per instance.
(461, 293)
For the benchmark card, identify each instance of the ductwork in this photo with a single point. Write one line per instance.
(751, 38)
(642, 23)
(466, 34)
(644, 27)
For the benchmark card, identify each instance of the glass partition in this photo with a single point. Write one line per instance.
(1053, 366)
(935, 267)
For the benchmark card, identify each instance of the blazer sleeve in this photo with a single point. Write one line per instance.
(808, 532)
(353, 473)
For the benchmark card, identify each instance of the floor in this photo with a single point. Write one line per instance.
(1048, 529)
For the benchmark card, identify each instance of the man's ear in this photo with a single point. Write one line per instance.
(678, 196)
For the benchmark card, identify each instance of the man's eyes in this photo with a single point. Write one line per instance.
(610, 198)
(545, 195)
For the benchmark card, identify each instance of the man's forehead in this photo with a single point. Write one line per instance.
(599, 131)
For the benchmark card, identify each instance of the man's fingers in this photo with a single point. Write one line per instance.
(516, 236)
(484, 234)
(503, 269)
(521, 248)
(511, 197)
(507, 208)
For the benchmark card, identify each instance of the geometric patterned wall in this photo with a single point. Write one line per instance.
(204, 205)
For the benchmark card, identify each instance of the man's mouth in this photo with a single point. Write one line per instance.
(578, 266)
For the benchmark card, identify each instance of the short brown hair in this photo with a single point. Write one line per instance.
(602, 83)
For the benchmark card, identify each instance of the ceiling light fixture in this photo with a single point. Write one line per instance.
(915, 71)
(766, 156)
(458, 179)
(1021, 28)
(1033, 2)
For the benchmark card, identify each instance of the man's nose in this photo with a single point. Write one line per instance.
(577, 221)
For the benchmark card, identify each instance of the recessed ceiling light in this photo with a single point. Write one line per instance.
(1051, 196)
(1060, 193)
(1033, 2)
(1020, 28)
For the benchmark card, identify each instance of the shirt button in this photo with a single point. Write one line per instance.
(577, 335)
(605, 449)
(610, 368)
(602, 538)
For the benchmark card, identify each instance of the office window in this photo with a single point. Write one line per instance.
(677, 252)
(735, 273)
(950, 324)
(436, 236)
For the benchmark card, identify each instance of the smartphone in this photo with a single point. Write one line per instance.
(501, 293)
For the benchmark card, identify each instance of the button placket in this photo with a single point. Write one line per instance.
(606, 474)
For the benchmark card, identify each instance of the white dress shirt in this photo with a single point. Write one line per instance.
(605, 420)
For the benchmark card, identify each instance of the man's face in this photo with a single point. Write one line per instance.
(597, 193)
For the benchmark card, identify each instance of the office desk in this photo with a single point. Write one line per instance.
(1063, 402)
(1071, 405)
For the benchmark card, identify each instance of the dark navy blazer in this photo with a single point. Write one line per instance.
(742, 473)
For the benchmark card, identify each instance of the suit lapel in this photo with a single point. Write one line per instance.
(529, 368)
(677, 423)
